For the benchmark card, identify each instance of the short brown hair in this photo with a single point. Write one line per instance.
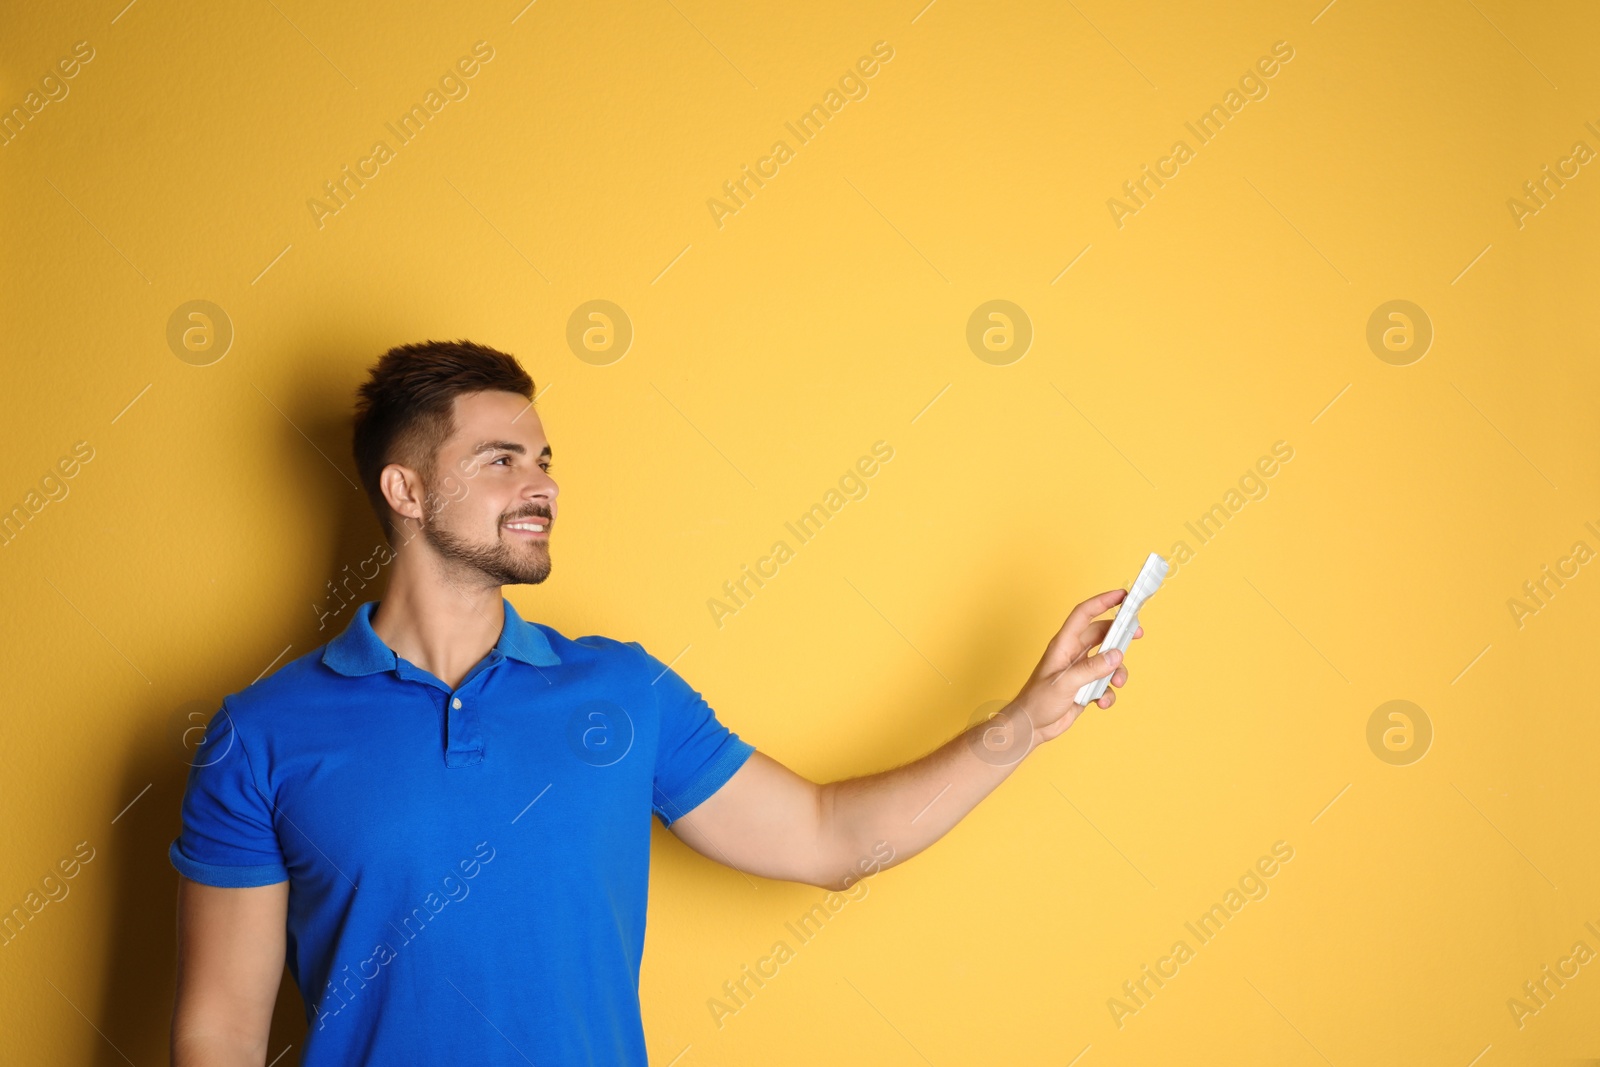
(404, 408)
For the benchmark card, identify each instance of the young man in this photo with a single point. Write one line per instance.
(441, 818)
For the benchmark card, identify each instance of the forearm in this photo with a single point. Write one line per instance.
(770, 821)
(910, 807)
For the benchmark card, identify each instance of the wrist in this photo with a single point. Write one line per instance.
(1005, 739)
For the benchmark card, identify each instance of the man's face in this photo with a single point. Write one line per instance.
(491, 501)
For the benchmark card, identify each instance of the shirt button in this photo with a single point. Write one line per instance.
(456, 703)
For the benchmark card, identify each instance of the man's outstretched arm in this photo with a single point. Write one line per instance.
(770, 821)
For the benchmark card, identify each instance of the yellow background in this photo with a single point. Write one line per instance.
(768, 355)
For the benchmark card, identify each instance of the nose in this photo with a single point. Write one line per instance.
(541, 489)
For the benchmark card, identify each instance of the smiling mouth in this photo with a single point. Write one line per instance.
(534, 527)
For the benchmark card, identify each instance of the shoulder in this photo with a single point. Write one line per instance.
(592, 648)
(614, 662)
(303, 684)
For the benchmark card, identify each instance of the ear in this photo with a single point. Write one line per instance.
(404, 491)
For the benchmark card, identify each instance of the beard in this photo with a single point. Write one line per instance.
(498, 562)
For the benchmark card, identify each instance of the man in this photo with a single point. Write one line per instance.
(441, 818)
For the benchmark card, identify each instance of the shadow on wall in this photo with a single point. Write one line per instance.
(137, 998)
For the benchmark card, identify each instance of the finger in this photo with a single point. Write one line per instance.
(1069, 636)
(1094, 634)
(1056, 659)
(1090, 668)
(1095, 606)
(1076, 635)
(1120, 678)
(1107, 699)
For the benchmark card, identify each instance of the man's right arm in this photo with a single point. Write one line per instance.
(230, 964)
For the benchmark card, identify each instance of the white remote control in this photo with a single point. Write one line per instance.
(1126, 620)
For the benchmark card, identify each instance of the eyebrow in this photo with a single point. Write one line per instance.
(507, 446)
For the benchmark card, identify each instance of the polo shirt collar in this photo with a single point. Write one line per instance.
(359, 650)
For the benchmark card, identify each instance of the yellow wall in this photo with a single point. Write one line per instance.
(775, 344)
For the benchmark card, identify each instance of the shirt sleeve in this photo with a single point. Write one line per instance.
(695, 754)
(228, 837)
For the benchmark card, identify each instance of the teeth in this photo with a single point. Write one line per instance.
(533, 526)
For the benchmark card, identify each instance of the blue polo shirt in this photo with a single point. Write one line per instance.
(467, 867)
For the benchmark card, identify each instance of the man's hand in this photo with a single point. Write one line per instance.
(1048, 698)
(770, 821)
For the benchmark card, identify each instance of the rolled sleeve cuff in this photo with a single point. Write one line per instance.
(715, 775)
(227, 876)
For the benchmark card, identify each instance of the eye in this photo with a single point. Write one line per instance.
(505, 459)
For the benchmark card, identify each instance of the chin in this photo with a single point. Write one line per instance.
(532, 573)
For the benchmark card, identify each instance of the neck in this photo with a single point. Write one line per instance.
(443, 623)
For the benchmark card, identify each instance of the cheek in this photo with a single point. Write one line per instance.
(487, 511)
(462, 516)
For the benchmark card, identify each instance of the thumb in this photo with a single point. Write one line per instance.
(1100, 665)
